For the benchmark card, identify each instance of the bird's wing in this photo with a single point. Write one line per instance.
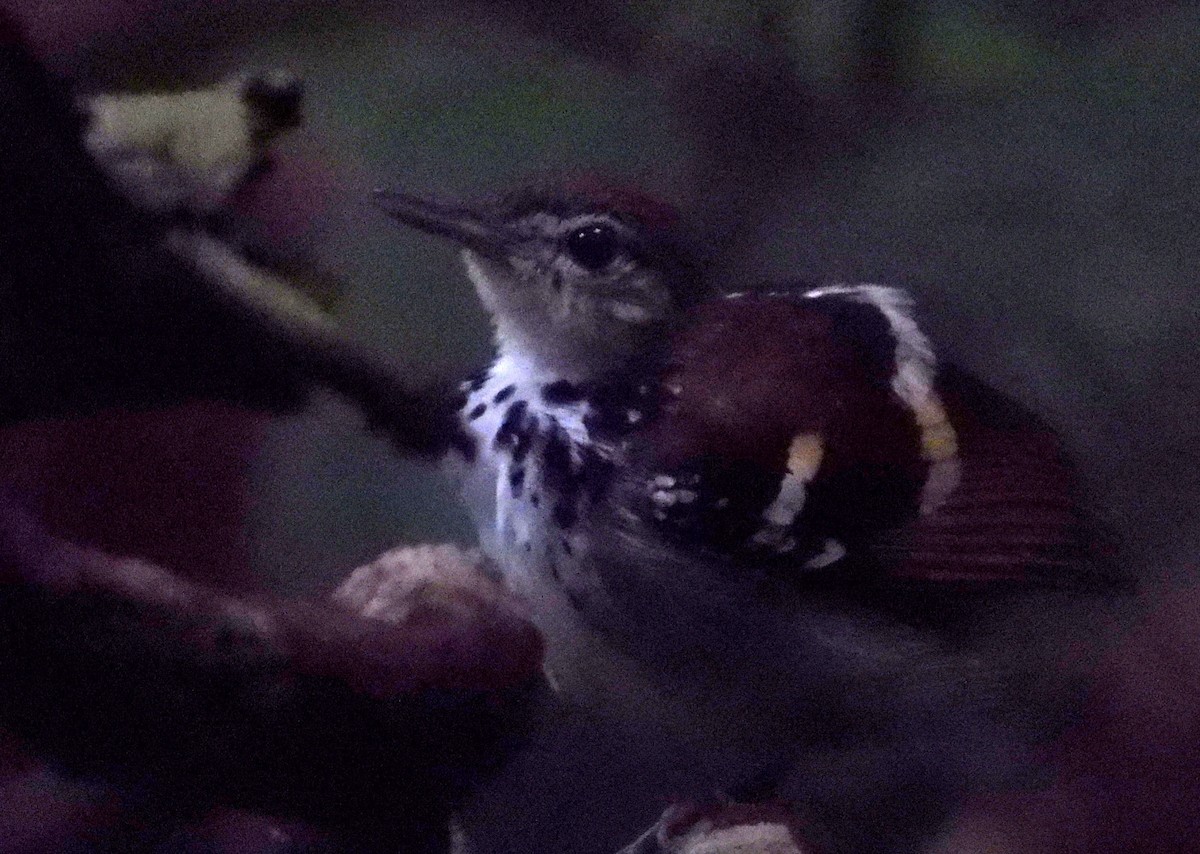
(799, 428)
(1014, 514)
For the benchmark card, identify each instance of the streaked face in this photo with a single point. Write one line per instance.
(575, 292)
(582, 280)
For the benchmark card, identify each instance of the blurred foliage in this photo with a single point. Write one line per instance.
(961, 47)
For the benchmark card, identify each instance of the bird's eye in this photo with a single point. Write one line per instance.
(593, 246)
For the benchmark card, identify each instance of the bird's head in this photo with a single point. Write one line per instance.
(578, 281)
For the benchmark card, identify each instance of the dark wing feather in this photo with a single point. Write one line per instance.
(1015, 515)
(744, 377)
(743, 381)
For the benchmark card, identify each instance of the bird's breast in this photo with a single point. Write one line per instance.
(534, 477)
(545, 497)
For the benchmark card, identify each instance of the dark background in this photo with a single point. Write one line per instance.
(1028, 170)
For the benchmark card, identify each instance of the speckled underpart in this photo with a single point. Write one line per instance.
(785, 445)
(531, 432)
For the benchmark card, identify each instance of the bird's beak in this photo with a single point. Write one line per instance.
(460, 224)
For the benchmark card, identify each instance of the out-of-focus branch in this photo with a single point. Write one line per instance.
(369, 727)
(365, 716)
(105, 304)
(728, 827)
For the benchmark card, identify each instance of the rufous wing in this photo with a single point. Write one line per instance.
(794, 422)
(1014, 516)
(776, 427)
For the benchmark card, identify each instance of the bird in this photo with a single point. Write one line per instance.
(764, 518)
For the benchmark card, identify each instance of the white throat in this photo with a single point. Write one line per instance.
(541, 345)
